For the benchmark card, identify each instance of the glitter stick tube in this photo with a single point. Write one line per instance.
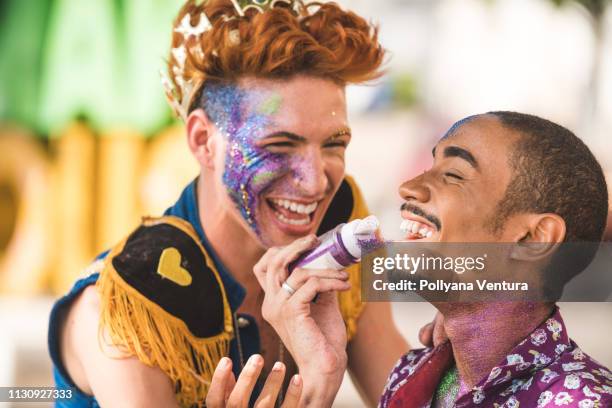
(342, 246)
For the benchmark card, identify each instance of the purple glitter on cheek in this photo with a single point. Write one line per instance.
(304, 177)
(249, 169)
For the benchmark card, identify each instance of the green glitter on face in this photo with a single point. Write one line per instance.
(448, 389)
(264, 177)
(271, 105)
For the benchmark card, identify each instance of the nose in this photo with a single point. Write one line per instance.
(415, 189)
(310, 175)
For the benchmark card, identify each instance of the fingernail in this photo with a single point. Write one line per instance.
(344, 274)
(224, 363)
(297, 380)
(277, 366)
(255, 359)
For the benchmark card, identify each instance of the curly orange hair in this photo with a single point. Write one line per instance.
(329, 43)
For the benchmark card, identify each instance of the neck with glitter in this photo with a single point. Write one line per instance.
(490, 331)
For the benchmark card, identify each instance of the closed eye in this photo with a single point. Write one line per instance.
(453, 175)
(280, 144)
(339, 143)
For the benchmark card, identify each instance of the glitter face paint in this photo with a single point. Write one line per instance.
(242, 116)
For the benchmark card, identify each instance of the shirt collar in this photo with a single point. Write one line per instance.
(538, 350)
(535, 352)
(187, 208)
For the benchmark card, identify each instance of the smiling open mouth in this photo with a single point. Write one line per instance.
(293, 212)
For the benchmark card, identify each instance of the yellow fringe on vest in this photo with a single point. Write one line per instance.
(351, 305)
(137, 326)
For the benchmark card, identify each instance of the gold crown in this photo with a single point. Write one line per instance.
(180, 102)
(242, 6)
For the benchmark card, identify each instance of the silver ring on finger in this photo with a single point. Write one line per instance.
(288, 288)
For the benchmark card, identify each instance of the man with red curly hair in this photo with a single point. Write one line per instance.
(261, 88)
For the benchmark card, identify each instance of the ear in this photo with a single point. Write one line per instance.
(546, 228)
(199, 137)
(540, 235)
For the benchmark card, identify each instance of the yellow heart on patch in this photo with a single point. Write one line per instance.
(169, 267)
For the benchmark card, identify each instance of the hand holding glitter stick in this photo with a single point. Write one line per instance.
(342, 246)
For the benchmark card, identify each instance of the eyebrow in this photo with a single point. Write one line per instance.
(288, 135)
(298, 138)
(454, 151)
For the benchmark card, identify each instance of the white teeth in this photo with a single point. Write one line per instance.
(296, 207)
(286, 220)
(311, 208)
(416, 228)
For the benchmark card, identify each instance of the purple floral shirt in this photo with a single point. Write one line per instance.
(546, 369)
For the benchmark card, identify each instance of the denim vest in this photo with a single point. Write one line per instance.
(347, 204)
(186, 208)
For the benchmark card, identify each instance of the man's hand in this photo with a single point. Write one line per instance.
(433, 334)
(314, 333)
(226, 392)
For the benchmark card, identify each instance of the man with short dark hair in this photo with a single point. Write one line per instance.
(506, 177)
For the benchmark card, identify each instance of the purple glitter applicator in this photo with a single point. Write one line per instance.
(342, 246)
